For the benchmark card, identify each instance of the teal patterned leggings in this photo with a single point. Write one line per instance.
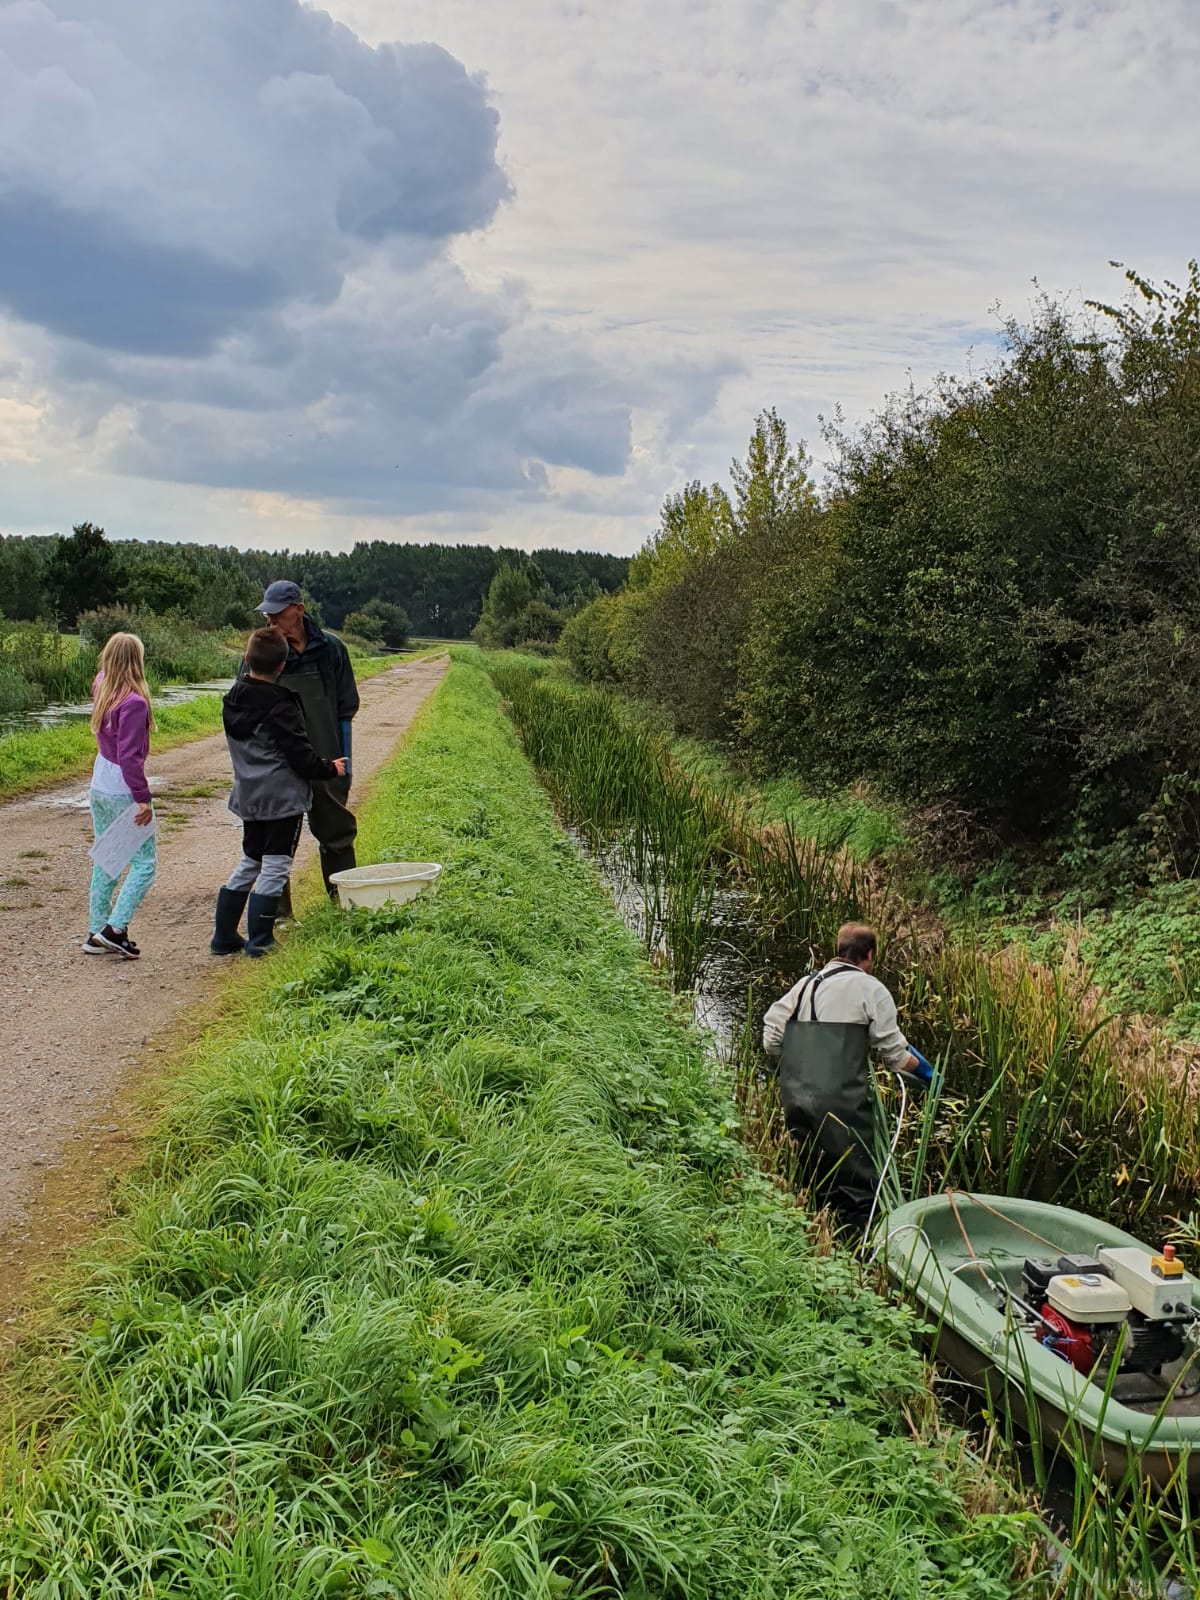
(139, 875)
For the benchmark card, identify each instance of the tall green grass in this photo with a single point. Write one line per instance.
(37, 665)
(866, 827)
(1037, 1100)
(177, 649)
(40, 666)
(447, 1281)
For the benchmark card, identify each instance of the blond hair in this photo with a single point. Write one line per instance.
(122, 673)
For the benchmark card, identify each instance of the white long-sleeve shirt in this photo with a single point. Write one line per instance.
(846, 994)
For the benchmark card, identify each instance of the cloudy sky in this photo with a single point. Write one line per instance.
(274, 275)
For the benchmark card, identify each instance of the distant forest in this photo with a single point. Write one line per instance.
(441, 588)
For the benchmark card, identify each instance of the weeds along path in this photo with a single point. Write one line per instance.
(74, 1025)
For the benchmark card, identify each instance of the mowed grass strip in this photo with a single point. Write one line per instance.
(449, 1278)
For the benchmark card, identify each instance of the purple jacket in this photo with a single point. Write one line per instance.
(124, 738)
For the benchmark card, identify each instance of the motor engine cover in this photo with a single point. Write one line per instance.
(1087, 1297)
(1070, 1341)
(1144, 1346)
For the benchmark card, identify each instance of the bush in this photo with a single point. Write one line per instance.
(536, 627)
(176, 649)
(363, 626)
(391, 621)
(586, 640)
(692, 633)
(994, 611)
(517, 614)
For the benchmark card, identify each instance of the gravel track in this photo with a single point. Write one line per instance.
(77, 1027)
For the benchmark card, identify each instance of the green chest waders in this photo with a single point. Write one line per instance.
(825, 1090)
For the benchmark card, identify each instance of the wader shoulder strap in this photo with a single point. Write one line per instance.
(811, 984)
(327, 668)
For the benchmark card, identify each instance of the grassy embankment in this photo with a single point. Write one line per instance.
(1038, 1098)
(448, 1279)
(39, 757)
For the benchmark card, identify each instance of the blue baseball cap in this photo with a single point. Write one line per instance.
(279, 596)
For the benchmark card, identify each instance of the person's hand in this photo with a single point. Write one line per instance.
(923, 1069)
(339, 766)
(145, 815)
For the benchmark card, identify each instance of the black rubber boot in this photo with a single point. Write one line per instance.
(226, 940)
(336, 861)
(260, 921)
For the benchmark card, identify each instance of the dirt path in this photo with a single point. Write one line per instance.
(76, 1027)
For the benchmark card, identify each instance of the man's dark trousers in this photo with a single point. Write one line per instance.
(334, 827)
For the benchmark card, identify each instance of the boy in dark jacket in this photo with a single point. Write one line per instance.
(318, 672)
(274, 766)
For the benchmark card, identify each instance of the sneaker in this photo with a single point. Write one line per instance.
(93, 946)
(120, 942)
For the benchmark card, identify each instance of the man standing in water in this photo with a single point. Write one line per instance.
(318, 672)
(822, 1032)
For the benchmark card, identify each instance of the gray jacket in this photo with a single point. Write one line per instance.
(273, 762)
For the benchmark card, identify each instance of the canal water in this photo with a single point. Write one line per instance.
(55, 715)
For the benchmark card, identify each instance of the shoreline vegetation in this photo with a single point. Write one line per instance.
(1034, 1065)
(447, 1276)
(1140, 952)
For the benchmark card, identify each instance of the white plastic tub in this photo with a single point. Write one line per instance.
(396, 881)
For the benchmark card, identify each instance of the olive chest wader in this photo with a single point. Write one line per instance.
(825, 1090)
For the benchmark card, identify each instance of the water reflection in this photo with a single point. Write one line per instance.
(54, 716)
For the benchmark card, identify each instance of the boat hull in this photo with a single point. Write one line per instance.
(1043, 1395)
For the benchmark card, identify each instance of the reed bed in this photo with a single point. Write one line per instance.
(1039, 1101)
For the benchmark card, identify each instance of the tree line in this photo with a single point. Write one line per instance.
(990, 608)
(378, 589)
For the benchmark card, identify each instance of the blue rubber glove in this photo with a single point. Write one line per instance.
(924, 1068)
(344, 741)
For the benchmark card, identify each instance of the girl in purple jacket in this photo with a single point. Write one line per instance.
(121, 721)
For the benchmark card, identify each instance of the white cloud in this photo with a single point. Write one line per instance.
(718, 206)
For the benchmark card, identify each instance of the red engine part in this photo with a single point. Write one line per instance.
(1070, 1340)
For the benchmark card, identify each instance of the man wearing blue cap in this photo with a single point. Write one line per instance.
(318, 672)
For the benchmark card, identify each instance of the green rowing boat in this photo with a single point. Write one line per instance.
(1084, 1332)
